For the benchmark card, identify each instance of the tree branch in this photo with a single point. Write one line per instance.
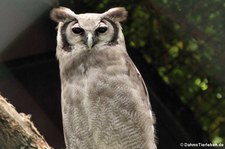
(17, 130)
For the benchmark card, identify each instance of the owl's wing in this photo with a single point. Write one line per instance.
(137, 78)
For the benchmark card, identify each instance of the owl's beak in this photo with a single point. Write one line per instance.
(90, 40)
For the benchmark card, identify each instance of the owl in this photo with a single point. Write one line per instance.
(105, 103)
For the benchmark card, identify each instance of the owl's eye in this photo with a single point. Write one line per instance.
(101, 29)
(78, 30)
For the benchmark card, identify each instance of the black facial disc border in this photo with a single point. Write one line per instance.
(114, 38)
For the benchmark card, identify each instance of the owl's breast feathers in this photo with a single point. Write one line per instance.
(106, 63)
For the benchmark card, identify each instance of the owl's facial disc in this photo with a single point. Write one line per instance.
(93, 36)
(86, 36)
(90, 35)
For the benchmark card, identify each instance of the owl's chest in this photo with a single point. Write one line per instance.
(100, 82)
(99, 102)
(95, 78)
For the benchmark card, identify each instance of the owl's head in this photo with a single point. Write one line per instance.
(88, 30)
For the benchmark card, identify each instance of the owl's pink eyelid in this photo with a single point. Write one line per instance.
(76, 25)
(102, 24)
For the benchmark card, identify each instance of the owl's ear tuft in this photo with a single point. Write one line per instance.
(62, 14)
(118, 14)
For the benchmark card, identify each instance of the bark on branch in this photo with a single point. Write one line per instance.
(17, 131)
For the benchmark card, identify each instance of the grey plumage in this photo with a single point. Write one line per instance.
(105, 103)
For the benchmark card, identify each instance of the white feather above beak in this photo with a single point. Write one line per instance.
(90, 40)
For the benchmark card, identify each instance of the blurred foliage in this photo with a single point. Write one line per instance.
(184, 40)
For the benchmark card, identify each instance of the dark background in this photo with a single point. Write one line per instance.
(177, 46)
